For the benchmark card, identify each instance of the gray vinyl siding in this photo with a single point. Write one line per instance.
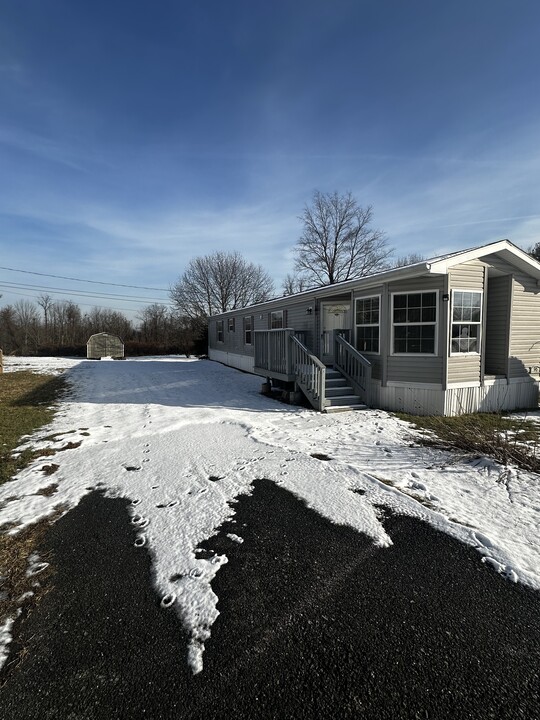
(295, 316)
(466, 368)
(415, 368)
(524, 347)
(233, 341)
(525, 326)
(497, 315)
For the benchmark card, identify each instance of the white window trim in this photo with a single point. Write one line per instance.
(275, 312)
(356, 326)
(475, 353)
(436, 323)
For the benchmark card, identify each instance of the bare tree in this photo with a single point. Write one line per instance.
(219, 282)
(156, 324)
(534, 251)
(294, 283)
(9, 340)
(45, 302)
(409, 259)
(337, 242)
(27, 318)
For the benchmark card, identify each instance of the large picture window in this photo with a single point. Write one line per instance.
(367, 324)
(414, 317)
(466, 321)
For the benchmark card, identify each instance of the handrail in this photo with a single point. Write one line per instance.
(272, 350)
(310, 373)
(352, 364)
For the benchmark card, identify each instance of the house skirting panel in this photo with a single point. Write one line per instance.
(494, 396)
(411, 398)
(241, 362)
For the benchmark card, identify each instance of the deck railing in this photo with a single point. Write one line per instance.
(354, 366)
(309, 372)
(273, 352)
(282, 355)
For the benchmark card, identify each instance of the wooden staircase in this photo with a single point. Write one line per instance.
(339, 394)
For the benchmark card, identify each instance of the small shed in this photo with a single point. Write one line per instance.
(104, 345)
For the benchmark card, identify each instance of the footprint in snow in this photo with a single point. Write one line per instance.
(168, 600)
(482, 540)
(132, 468)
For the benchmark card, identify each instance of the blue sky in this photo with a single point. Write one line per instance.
(137, 135)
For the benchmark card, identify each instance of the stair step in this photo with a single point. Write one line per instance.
(343, 400)
(338, 391)
(344, 408)
(335, 382)
(333, 374)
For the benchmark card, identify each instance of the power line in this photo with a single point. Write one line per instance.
(94, 282)
(81, 293)
(101, 307)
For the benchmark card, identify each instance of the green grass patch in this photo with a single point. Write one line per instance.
(26, 404)
(507, 440)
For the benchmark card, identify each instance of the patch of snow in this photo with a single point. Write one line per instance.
(182, 439)
(5, 639)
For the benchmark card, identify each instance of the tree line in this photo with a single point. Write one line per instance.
(50, 327)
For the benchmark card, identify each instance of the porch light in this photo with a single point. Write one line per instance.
(309, 310)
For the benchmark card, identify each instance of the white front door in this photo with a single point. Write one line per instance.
(334, 316)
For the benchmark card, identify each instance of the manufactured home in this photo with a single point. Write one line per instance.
(455, 334)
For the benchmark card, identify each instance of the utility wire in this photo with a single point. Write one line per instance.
(66, 291)
(101, 307)
(95, 282)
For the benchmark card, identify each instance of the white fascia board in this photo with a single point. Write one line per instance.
(507, 250)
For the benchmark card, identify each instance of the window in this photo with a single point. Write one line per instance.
(466, 321)
(231, 324)
(248, 324)
(276, 319)
(367, 324)
(414, 318)
(219, 330)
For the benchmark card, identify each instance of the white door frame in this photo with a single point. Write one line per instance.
(342, 321)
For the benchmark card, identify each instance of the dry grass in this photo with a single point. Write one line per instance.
(19, 589)
(507, 440)
(26, 403)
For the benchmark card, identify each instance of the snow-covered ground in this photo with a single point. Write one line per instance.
(183, 438)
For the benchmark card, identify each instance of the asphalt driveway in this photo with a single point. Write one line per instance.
(315, 622)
